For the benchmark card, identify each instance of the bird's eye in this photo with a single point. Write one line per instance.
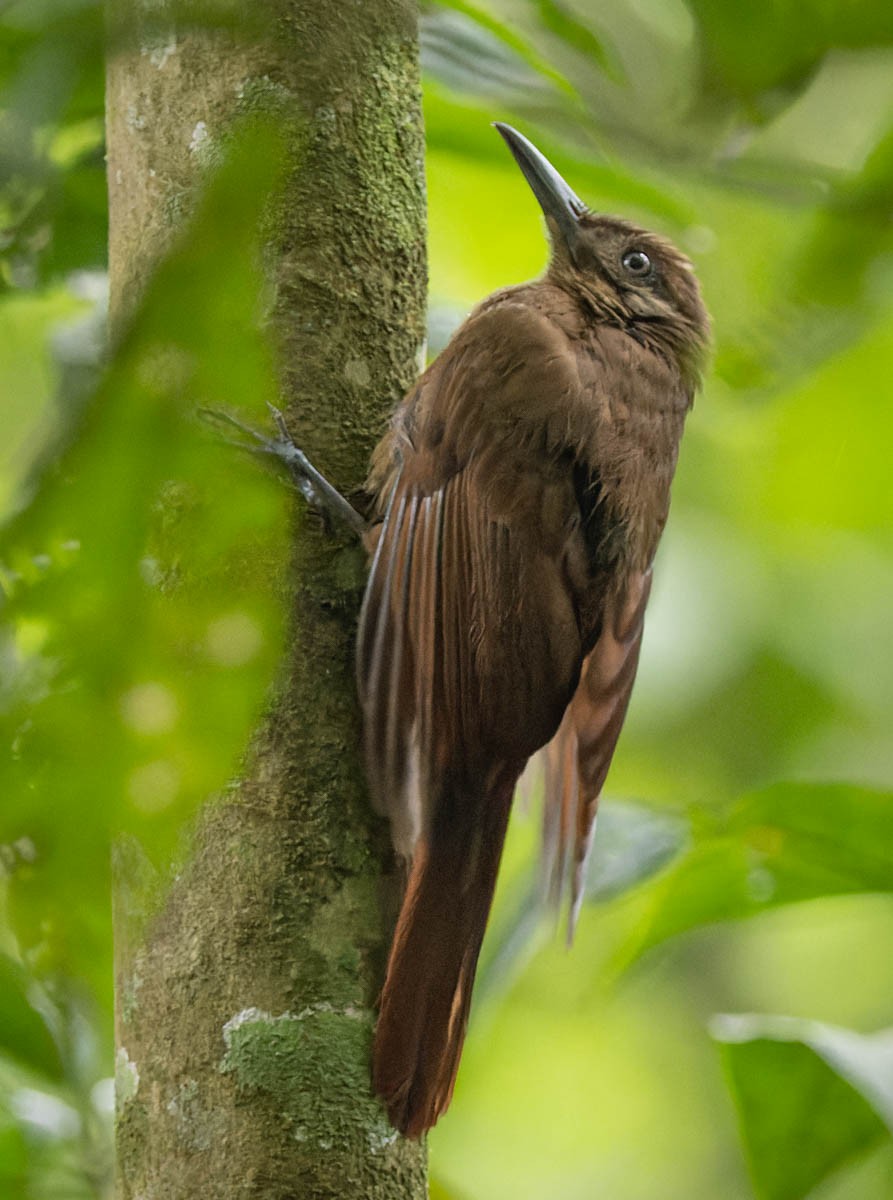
(637, 262)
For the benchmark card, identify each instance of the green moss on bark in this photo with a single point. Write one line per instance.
(268, 1054)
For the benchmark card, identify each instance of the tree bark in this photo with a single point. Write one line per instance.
(245, 1006)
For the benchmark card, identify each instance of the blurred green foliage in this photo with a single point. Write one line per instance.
(140, 626)
(826, 1091)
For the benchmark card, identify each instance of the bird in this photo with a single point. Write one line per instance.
(517, 498)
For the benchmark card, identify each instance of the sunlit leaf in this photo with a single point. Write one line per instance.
(140, 621)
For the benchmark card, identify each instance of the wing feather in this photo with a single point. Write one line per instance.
(460, 668)
(577, 759)
(384, 664)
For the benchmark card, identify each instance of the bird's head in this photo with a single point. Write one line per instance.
(628, 275)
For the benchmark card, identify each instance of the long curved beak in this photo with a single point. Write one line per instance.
(555, 197)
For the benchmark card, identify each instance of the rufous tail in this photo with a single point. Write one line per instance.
(427, 991)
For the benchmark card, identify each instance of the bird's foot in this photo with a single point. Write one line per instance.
(311, 483)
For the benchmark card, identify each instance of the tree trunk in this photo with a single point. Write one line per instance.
(245, 1007)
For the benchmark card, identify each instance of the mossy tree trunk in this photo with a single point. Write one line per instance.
(246, 1005)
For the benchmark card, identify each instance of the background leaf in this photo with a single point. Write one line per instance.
(120, 634)
(788, 843)
(24, 1034)
(810, 1097)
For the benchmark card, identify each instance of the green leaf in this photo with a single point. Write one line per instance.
(810, 1097)
(632, 844)
(51, 79)
(790, 842)
(852, 234)
(766, 52)
(559, 19)
(519, 45)
(24, 1035)
(141, 625)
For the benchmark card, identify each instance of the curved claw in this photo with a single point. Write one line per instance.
(312, 484)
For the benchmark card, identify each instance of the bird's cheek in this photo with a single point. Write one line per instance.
(642, 303)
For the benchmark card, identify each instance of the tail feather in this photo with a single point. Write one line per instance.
(427, 991)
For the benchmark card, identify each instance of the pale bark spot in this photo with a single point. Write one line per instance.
(127, 1078)
(134, 119)
(356, 371)
(199, 137)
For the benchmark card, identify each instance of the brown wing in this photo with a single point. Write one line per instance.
(577, 759)
(468, 646)
(410, 662)
(469, 642)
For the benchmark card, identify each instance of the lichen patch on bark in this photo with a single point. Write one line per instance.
(269, 1054)
(127, 1078)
